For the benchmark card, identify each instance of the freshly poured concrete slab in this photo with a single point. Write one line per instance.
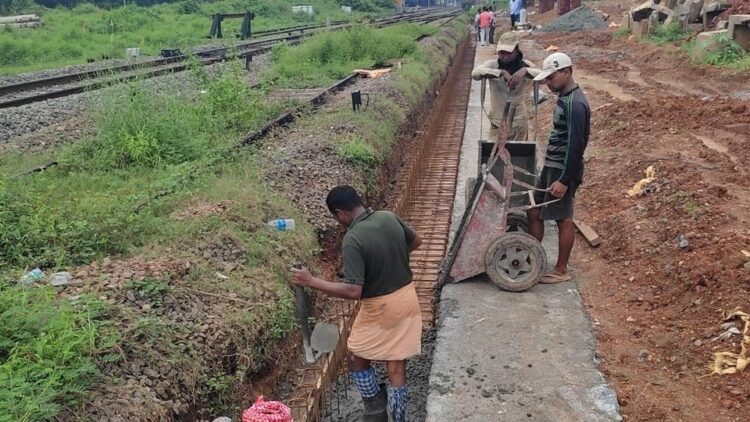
(502, 356)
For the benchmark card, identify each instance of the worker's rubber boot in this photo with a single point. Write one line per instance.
(376, 407)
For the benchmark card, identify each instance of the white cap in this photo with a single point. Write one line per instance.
(552, 64)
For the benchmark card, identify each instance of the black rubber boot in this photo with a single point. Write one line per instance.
(376, 408)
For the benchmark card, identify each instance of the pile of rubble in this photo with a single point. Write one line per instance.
(694, 15)
(579, 19)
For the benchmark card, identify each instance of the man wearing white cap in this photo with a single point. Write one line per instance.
(563, 161)
(507, 76)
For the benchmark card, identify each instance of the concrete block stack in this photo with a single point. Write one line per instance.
(739, 30)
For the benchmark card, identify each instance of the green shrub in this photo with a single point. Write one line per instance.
(357, 151)
(189, 7)
(333, 55)
(46, 349)
(621, 33)
(109, 30)
(730, 55)
(138, 127)
(668, 33)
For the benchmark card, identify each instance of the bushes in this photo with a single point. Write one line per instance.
(333, 55)
(96, 32)
(732, 55)
(357, 151)
(137, 126)
(146, 144)
(46, 349)
(668, 33)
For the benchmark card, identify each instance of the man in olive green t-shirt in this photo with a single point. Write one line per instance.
(388, 326)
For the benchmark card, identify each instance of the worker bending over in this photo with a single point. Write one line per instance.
(507, 77)
(563, 162)
(388, 326)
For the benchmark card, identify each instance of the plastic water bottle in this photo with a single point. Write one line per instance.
(281, 224)
(32, 276)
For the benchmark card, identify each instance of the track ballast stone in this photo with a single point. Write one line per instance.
(579, 19)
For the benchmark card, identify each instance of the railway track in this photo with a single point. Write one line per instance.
(28, 92)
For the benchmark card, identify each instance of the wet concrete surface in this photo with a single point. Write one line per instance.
(344, 403)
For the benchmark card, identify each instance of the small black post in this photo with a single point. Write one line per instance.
(356, 100)
(248, 61)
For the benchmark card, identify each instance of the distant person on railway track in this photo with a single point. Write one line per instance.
(507, 77)
(485, 20)
(563, 162)
(388, 327)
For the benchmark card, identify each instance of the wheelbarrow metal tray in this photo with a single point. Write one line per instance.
(522, 155)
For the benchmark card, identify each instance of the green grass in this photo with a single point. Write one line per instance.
(154, 156)
(46, 352)
(732, 56)
(667, 34)
(146, 144)
(357, 151)
(687, 202)
(331, 56)
(71, 36)
(622, 33)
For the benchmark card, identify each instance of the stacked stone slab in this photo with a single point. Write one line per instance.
(739, 30)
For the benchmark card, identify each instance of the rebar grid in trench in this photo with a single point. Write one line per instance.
(426, 188)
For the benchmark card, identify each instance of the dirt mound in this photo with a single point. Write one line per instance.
(737, 7)
(576, 20)
(673, 254)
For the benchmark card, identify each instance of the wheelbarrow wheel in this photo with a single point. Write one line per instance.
(517, 222)
(515, 261)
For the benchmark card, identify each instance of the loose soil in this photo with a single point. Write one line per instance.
(655, 303)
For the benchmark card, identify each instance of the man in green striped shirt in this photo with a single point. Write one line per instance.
(563, 161)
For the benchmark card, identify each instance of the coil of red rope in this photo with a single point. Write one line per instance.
(267, 411)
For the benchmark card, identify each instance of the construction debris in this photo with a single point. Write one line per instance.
(20, 21)
(645, 10)
(588, 233)
(376, 73)
(738, 28)
(579, 19)
(639, 188)
(730, 362)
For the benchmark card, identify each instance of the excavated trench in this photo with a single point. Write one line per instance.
(417, 182)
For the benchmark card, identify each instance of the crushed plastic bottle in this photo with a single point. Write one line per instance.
(282, 224)
(30, 277)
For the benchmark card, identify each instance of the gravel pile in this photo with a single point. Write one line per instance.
(579, 19)
(17, 124)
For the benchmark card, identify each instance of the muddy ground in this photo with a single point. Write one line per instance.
(671, 260)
